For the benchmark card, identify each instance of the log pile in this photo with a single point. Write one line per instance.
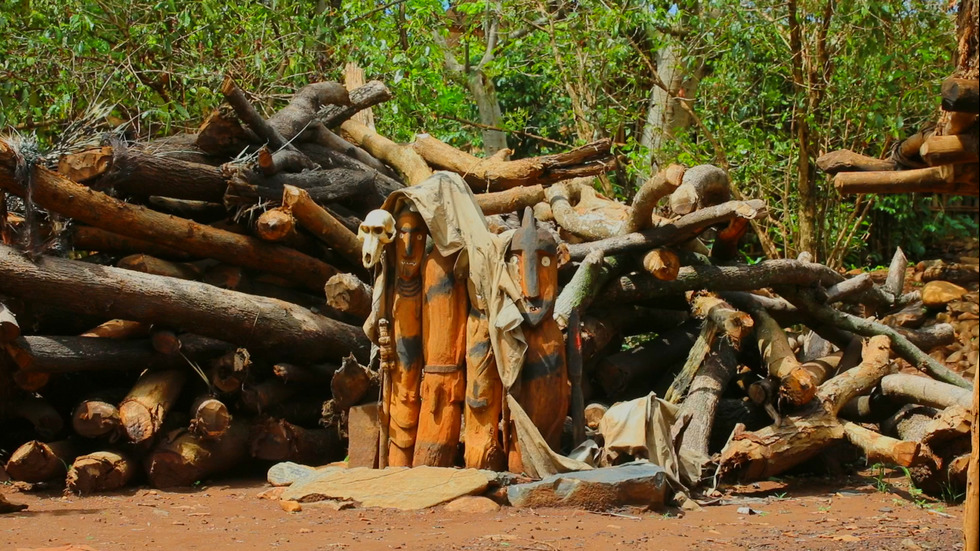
(174, 309)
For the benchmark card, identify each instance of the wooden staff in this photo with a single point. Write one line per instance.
(444, 349)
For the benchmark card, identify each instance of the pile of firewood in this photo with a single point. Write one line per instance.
(182, 307)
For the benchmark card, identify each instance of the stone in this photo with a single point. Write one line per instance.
(472, 504)
(638, 483)
(395, 487)
(364, 431)
(937, 294)
(287, 472)
(290, 506)
(273, 493)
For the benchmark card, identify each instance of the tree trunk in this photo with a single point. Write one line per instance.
(210, 418)
(496, 174)
(914, 389)
(702, 399)
(322, 224)
(279, 440)
(135, 173)
(95, 419)
(288, 330)
(683, 229)
(36, 461)
(144, 408)
(182, 458)
(103, 471)
(61, 195)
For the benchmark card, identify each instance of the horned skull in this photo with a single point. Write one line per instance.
(376, 231)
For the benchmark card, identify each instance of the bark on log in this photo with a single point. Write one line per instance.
(37, 461)
(58, 194)
(774, 449)
(403, 158)
(151, 398)
(957, 179)
(362, 97)
(796, 384)
(879, 448)
(38, 412)
(75, 354)
(845, 289)
(248, 187)
(103, 471)
(320, 223)
(271, 163)
(734, 324)
(702, 399)
(260, 398)
(329, 149)
(88, 238)
(182, 458)
(650, 193)
(592, 218)
(913, 389)
(305, 105)
(96, 418)
(495, 174)
(579, 292)
(9, 328)
(222, 134)
(279, 440)
(895, 281)
(512, 200)
(929, 338)
(348, 294)
(702, 186)
(629, 374)
(683, 229)
(945, 150)
(860, 326)
(353, 383)
(155, 266)
(210, 418)
(845, 160)
(228, 373)
(138, 174)
(289, 331)
(961, 95)
(317, 375)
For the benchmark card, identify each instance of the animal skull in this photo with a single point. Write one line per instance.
(376, 231)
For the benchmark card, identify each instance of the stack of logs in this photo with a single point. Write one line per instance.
(940, 159)
(185, 306)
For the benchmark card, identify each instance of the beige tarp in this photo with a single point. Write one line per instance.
(456, 223)
(642, 428)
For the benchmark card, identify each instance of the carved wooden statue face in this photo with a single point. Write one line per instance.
(532, 260)
(409, 244)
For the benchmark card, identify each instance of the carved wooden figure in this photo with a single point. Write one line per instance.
(444, 349)
(544, 386)
(484, 398)
(406, 316)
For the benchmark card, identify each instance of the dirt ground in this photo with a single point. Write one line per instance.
(857, 512)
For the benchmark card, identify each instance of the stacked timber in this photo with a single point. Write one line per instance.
(176, 309)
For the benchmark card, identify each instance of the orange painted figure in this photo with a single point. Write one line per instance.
(444, 349)
(484, 398)
(406, 315)
(543, 388)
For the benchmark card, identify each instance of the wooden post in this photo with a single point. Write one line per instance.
(444, 349)
(406, 315)
(483, 448)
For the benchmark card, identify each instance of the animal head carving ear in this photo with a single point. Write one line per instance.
(376, 231)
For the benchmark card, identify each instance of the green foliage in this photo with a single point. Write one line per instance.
(569, 72)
